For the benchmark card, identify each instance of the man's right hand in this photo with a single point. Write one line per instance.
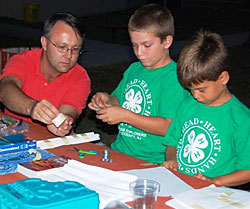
(43, 111)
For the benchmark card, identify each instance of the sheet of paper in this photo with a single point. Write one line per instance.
(211, 197)
(170, 183)
(66, 140)
(110, 185)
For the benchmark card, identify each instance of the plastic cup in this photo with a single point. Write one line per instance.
(145, 193)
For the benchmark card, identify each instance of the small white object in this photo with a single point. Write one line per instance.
(58, 120)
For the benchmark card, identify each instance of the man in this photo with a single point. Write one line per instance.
(39, 84)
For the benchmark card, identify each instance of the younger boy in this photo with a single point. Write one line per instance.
(146, 99)
(210, 135)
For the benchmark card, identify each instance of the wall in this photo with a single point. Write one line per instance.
(15, 8)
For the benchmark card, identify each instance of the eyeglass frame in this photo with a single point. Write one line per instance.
(58, 48)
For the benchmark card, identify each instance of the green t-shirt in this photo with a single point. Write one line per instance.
(213, 141)
(146, 92)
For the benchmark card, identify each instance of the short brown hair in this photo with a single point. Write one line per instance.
(204, 58)
(153, 17)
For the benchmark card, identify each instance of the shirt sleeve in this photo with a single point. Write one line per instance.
(242, 143)
(172, 95)
(15, 67)
(174, 130)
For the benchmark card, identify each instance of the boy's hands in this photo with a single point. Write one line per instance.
(112, 115)
(170, 164)
(204, 178)
(99, 101)
(107, 108)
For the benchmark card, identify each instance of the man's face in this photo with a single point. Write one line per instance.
(61, 35)
(210, 93)
(149, 49)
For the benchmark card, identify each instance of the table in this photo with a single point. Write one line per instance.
(120, 161)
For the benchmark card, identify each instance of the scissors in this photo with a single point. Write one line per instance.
(81, 153)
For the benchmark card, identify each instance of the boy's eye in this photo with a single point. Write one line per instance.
(202, 90)
(147, 45)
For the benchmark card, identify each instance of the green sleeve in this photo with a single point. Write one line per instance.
(242, 143)
(174, 130)
(172, 94)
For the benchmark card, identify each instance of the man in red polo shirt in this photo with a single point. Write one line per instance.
(39, 84)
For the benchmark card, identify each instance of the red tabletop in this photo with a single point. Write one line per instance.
(120, 161)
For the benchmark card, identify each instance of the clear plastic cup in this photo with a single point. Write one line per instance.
(145, 193)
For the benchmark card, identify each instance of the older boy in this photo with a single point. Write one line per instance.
(211, 132)
(39, 84)
(145, 100)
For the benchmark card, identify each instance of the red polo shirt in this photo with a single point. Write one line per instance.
(71, 88)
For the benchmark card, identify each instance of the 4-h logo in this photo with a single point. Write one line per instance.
(199, 146)
(193, 151)
(137, 97)
(133, 101)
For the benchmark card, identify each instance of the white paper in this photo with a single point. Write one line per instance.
(108, 184)
(170, 183)
(211, 197)
(66, 140)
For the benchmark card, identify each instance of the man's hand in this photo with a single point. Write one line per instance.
(63, 129)
(44, 111)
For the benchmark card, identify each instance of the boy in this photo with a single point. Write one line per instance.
(145, 100)
(210, 135)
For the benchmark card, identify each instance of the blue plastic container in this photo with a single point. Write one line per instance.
(35, 193)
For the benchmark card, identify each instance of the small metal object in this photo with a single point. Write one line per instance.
(105, 156)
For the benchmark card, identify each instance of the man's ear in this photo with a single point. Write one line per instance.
(168, 41)
(44, 43)
(224, 77)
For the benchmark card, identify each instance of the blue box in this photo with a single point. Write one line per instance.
(35, 193)
(9, 161)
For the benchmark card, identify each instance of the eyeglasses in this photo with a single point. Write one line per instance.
(64, 49)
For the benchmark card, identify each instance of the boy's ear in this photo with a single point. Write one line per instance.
(224, 77)
(168, 41)
(44, 43)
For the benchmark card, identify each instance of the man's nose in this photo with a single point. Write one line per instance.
(69, 53)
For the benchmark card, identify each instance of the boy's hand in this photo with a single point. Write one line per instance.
(170, 164)
(63, 129)
(112, 115)
(204, 178)
(99, 101)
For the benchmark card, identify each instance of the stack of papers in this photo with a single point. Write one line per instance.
(211, 197)
(67, 140)
(108, 184)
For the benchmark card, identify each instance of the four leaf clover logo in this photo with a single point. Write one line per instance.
(133, 101)
(193, 150)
